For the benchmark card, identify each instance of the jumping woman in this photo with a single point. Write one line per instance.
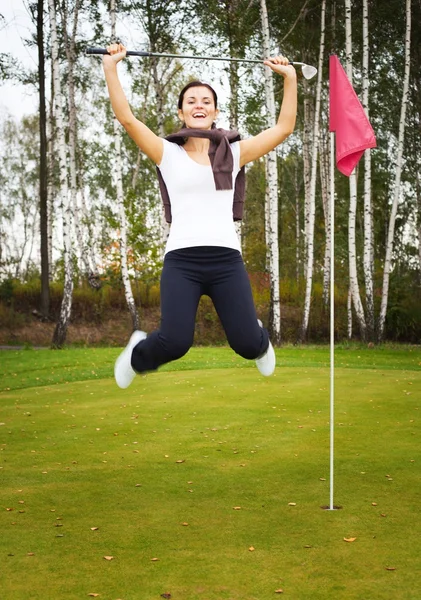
(201, 177)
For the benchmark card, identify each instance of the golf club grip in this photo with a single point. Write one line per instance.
(102, 51)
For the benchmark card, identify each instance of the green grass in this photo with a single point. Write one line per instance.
(78, 453)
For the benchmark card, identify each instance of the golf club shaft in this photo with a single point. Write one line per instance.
(156, 54)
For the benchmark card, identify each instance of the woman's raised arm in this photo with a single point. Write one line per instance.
(148, 142)
(259, 145)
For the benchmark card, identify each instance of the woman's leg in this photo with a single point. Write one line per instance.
(180, 295)
(232, 296)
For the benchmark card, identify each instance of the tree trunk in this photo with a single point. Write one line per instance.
(349, 313)
(368, 209)
(43, 197)
(271, 193)
(60, 332)
(352, 248)
(234, 87)
(398, 172)
(70, 45)
(312, 190)
(418, 193)
(297, 227)
(118, 174)
(51, 161)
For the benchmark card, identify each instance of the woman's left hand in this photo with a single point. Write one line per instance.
(280, 65)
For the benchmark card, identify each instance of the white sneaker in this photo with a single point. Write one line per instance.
(123, 371)
(267, 362)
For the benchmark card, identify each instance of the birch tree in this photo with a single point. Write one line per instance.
(70, 47)
(398, 173)
(312, 190)
(118, 179)
(271, 192)
(352, 248)
(43, 196)
(60, 332)
(368, 209)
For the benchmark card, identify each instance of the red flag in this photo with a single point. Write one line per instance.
(347, 118)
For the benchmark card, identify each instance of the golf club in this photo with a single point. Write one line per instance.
(307, 71)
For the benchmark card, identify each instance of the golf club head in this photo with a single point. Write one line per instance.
(308, 71)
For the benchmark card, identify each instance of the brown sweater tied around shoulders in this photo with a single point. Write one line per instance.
(222, 163)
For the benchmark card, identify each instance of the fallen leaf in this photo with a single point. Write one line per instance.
(167, 595)
(180, 461)
(184, 524)
(94, 528)
(292, 504)
(280, 591)
(374, 504)
(31, 554)
(251, 549)
(350, 539)
(308, 546)
(390, 568)
(383, 515)
(237, 507)
(92, 595)
(154, 559)
(108, 557)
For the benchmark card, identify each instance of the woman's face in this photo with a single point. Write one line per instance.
(198, 110)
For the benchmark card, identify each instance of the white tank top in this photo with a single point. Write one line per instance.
(201, 214)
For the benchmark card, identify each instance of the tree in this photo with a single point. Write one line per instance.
(118, 169)
(398, 173)
(43, 195)
(312, 188)
(271, 206)
(60, 332)
(368, 209)
(352, 215)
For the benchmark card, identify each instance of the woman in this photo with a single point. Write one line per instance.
(201, 178)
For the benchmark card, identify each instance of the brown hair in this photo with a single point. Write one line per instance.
(196, 84)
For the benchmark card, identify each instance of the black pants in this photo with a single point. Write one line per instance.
(187, 275)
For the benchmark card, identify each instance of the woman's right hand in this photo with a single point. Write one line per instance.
(116, 52)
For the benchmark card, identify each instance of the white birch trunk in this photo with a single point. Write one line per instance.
(271, 192)
(307, 145)
(297, 228)
(60, 331)
(368, 209)
(418, 192)
(349, 313)
(312, 191)
(50, 180)
(352, 248)
(71, 59)
(118, 174)
(398, 172)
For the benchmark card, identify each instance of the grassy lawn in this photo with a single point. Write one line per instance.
(214, 471)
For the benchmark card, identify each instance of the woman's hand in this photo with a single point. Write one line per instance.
(116, 52)
(280, 65)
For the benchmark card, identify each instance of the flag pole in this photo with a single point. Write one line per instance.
(332, 312)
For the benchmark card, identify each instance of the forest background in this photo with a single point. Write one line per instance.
(81, 226)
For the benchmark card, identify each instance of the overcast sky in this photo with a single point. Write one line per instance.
(17, 99)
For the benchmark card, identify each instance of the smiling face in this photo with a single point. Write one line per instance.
(198, 109)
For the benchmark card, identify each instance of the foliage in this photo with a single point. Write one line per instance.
(232, 28)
